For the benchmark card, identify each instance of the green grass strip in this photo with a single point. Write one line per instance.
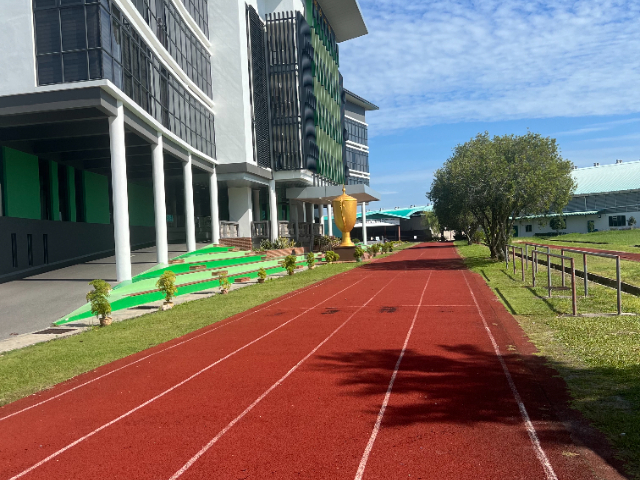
(598, 357)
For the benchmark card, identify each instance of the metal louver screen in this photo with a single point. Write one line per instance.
(260, 90)
(284, 91)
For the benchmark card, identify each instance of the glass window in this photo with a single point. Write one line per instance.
(528, 228)
(49, 69)
(47, 31)
(617, 220)
(74, 34)
(77, 42)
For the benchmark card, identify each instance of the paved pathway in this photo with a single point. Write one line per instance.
(405, 368)
(33, 303)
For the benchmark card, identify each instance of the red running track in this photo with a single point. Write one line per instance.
(404, 368)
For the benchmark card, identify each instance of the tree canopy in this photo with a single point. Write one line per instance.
(488, 182)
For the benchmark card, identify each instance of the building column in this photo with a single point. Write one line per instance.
(364, 223)
(120, 195)
(320, 215)
(293, 209)
(273, 210)
(240, 209)
(256, 205)
(189, 215)
(159, 202)
(330, 219)
(215, 211)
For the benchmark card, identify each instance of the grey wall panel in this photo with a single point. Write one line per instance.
(354, 111)
(68, 243)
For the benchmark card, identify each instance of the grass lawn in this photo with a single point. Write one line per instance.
(35, 368)
(620, 240)
(599, 357)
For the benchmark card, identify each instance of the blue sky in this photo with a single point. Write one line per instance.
(442, 71)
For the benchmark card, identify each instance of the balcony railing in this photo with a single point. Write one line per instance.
(228, 229)
(260, 229)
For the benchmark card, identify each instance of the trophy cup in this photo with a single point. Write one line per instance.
(345, 208)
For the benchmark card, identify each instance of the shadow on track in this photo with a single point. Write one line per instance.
(466, 386)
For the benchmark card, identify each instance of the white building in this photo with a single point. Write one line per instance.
(127, 123)
(605, 198)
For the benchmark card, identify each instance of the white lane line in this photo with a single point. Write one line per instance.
(533, 436)
(376, 427)
(303, 290)
(204, 449)
(124, 415)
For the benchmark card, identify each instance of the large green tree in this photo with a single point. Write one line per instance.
(490, 182)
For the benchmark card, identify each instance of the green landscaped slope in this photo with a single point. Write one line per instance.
(142, 289)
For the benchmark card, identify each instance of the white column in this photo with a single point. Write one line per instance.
(159, 203)
(320, 215)
(294, 212)
(256, 205)
(215, 212)
(189, 214)
(273, 210)
(330, 219)
(120, 195)
(304, 212)
(240, 209)
(364, 223)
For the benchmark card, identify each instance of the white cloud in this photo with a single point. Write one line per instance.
(443, 61)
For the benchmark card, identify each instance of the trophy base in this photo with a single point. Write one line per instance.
(346, 253)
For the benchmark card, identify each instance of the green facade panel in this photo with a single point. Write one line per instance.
(55, 194)
(96, 198)
(141, 211)
(21, 189)
(71, 192)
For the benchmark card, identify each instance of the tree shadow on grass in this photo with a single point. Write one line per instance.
(463, 385)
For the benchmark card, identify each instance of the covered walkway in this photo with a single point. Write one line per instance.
(35, 302)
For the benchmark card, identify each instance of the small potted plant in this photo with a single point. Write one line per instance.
(289, 264)
(311, 260)
(224, 283)
(100, 305)
(262, 275)
(358, 253)
(375, 248)
(330, 256)
(167, 285)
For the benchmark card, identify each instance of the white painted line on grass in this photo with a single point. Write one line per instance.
(133, 410)
(533, 436)
(287, 297)
(215, 439)
(376, 427)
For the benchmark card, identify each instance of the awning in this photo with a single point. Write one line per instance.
(324, 195)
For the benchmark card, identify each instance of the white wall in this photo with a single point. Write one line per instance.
(17, 55)
(575, 224)
(230, 75)
(240, 209)
(270, 6)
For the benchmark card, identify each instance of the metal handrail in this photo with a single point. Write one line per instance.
(574, 301)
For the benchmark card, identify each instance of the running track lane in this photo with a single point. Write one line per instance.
(304, 401)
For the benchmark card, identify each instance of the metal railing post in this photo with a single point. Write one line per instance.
(522, 260)
(586, 275)
(526, 254)
(513, 259)
(562, 266)
(619, 285)
(535, 248)
(534, 258)
(574, 299)
(549, 272)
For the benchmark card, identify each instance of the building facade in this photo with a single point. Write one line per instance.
(128, 123)
(606, 198)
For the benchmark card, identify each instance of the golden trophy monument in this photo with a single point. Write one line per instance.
(345, 209)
